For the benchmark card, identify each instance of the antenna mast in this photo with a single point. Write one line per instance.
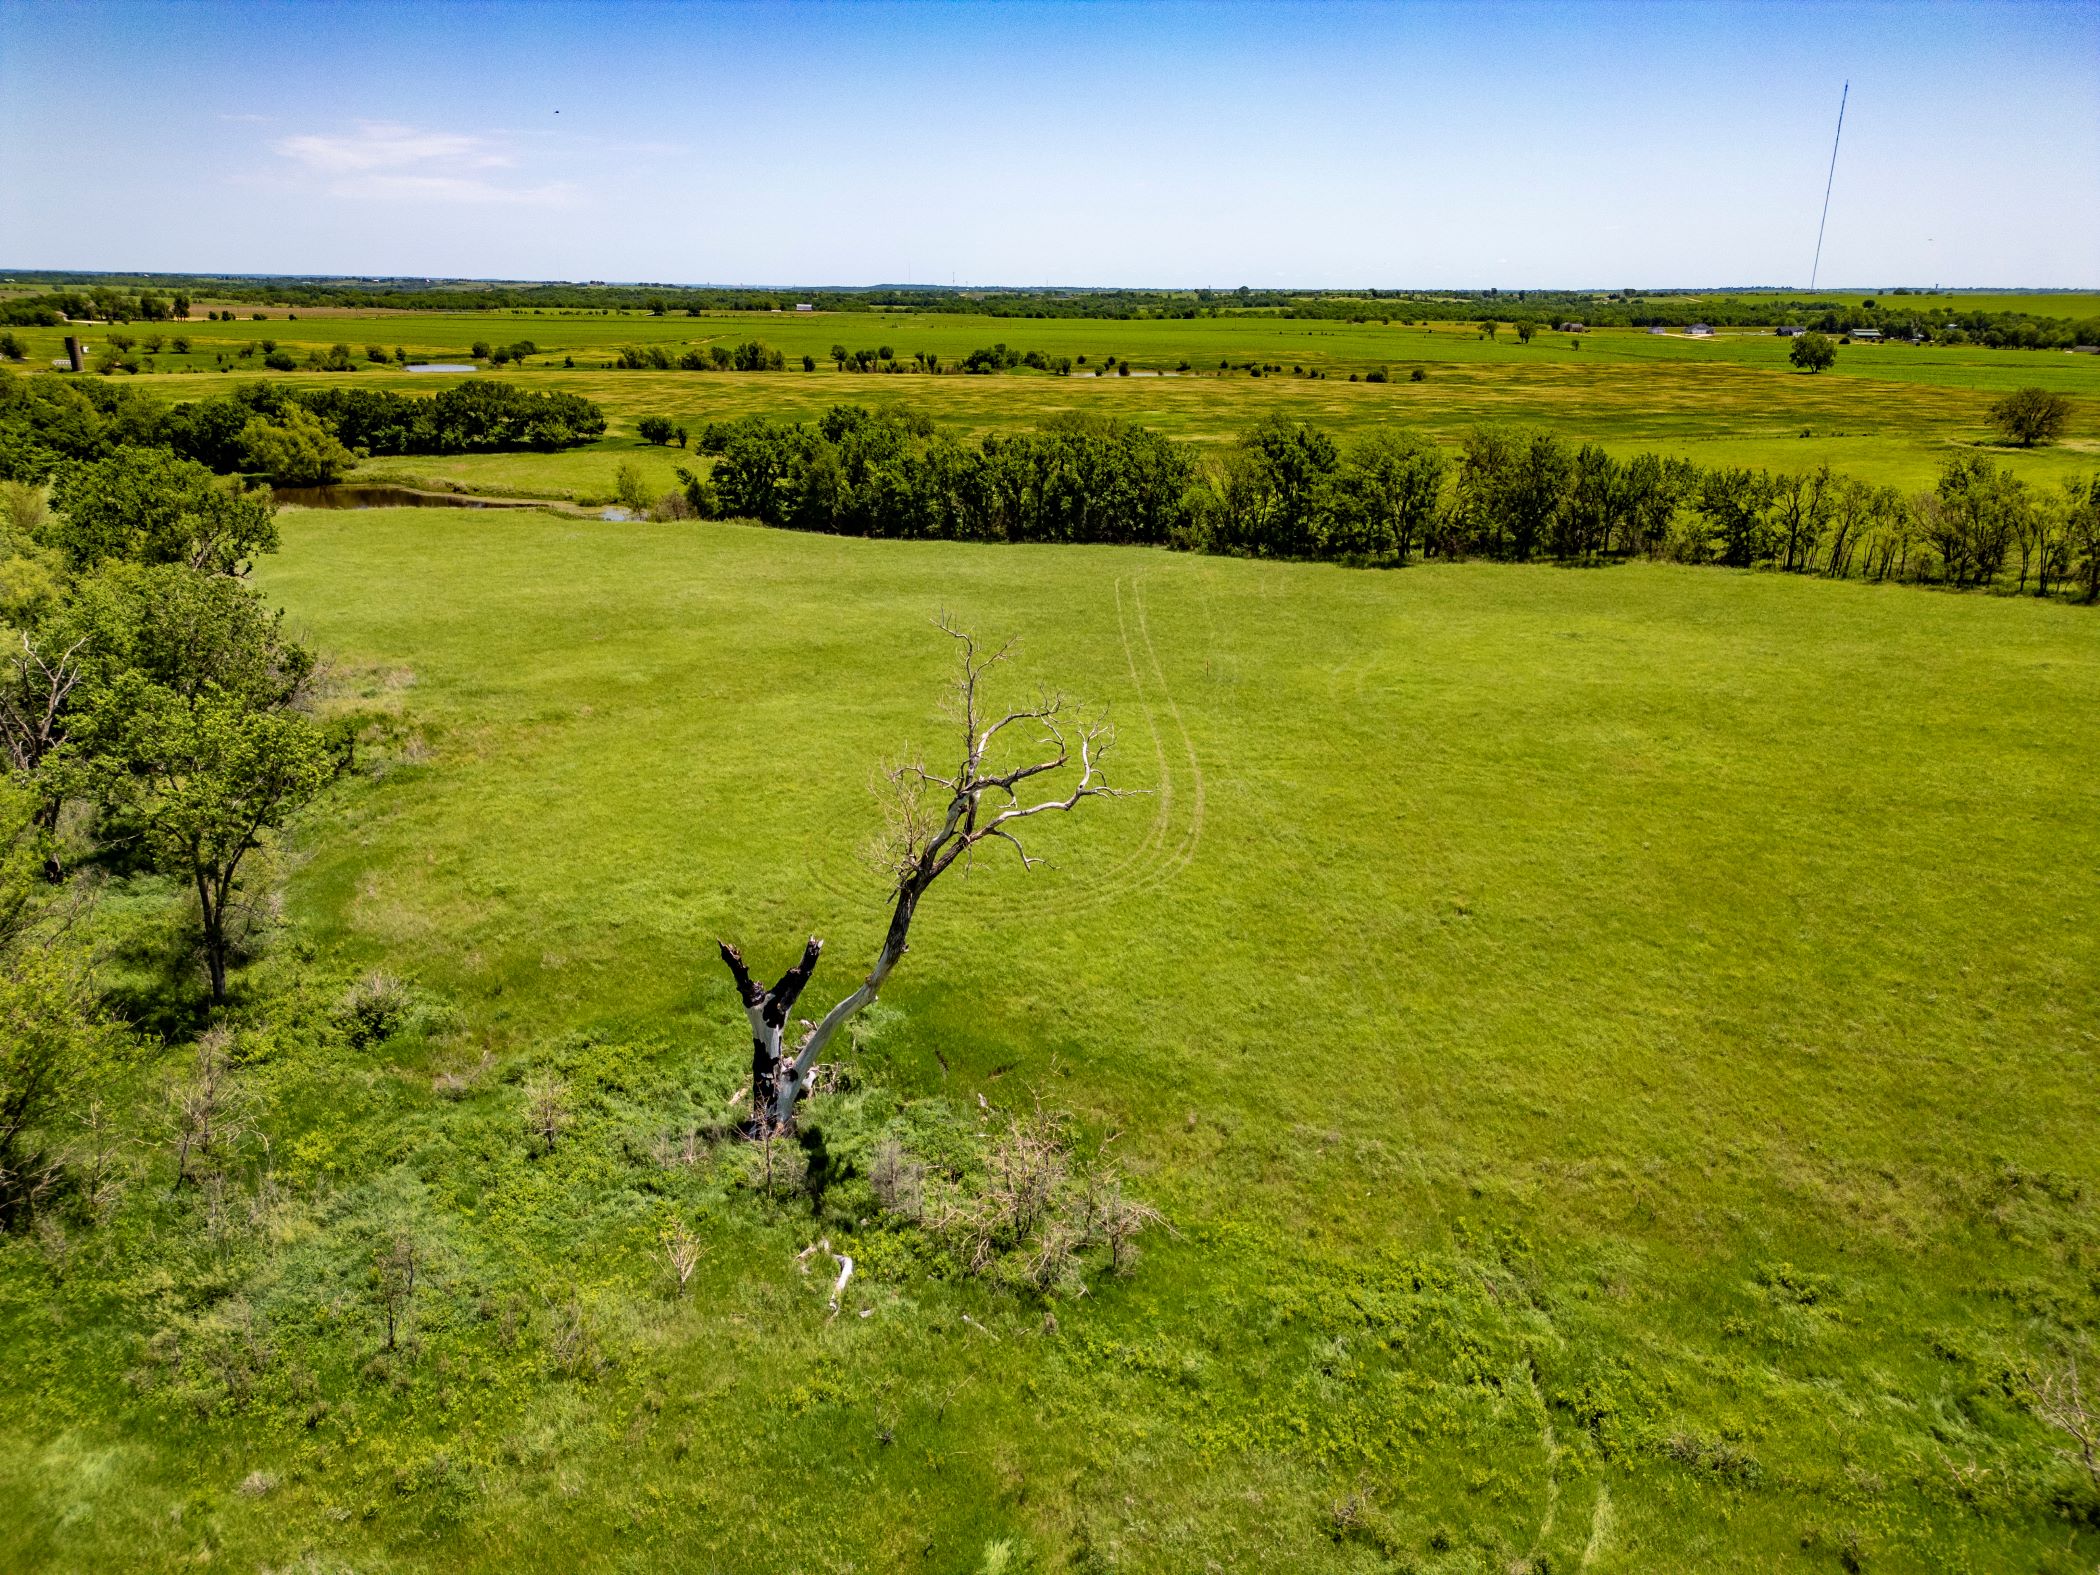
(1828, 181)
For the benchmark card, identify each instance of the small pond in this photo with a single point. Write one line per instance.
(378, 497)
(441, 366)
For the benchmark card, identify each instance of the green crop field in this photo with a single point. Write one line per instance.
(1615, 1051)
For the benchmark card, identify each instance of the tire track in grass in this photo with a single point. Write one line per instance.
(1141, 869)
(1552, 1447)
(1192, 838)
(1600, 1527)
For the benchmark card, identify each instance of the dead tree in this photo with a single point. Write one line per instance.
(2061, 1403)
(937, 821)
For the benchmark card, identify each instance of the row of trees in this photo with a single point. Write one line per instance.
(751, 356)
(105, 303)
(860, 472)
(299, 435)
(1290, 490)
(1898, 313)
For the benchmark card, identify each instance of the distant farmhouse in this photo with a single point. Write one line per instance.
(1790, 331)
(1868, 336)
(1699, 331)
(1573, 328)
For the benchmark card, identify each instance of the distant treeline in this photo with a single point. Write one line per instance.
(48, 419)
(1289, 490)
(1894, 317)
(755, 355)
(1896, 314)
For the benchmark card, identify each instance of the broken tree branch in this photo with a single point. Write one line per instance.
(924, 844)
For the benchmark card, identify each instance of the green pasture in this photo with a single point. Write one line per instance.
(1884, 430)
(1153, 344)
(1891, 413)
(1616, 1049)
(2073, 305)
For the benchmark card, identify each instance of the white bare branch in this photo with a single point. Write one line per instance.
(924, 840)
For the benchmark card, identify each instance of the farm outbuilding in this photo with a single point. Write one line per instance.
(1699, 331)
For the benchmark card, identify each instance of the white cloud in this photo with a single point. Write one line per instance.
(389, 161)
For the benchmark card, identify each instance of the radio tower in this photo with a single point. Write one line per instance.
(1817, 266)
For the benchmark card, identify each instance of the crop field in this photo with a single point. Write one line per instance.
(1615, 1051)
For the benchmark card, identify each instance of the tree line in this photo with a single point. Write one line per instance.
(1291, 490)
(1896, 314)
(751, 356)
(299, 436)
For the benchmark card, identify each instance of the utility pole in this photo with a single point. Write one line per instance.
(1829, 180)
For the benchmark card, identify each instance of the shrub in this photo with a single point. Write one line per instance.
(375, 1008)
(299, 450)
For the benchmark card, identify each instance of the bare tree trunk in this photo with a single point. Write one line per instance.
(213, 910)
(924, 846)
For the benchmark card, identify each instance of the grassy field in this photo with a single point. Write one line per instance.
(1889, 413)
(1616, 1049)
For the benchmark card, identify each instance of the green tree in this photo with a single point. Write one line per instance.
(1734, 504)
(2028, 416)
(1383, 501)
(1812, 352)
(297, 450)
(2081, 515)
(630, 491)
(1274, 490)
(1972, 517)
(201, 782)
(655, 429)
(1526, 328)
(148, 506)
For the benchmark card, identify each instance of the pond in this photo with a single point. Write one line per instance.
(378, 497)
(441, 366)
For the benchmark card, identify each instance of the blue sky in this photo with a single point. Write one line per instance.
(1392, 145)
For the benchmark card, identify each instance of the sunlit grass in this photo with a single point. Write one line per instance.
(1616, 1047)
